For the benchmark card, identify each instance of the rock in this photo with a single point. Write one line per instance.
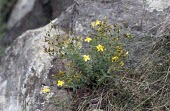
(97, 110)
(58, 6)
(22, 8)
(25, 68)
(158, 5)
(33, 14)
(25, 7)
(144, 23)
(23, 71)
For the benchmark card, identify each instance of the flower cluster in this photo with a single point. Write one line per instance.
(95, 23)
(101, 27)
(93, 60)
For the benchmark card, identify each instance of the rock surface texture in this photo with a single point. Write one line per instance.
(22, 8)
(25, 67)
(24, 72)
(31, 14)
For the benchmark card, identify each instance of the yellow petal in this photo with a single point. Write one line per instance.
(46, 89)
(60, 83)
(93, 24)
(100, 47)
(97, 22)
(88, 39)
(86, 58)
(115, 58)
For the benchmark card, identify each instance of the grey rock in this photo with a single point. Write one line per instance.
(58, 6)
(158, 5)
(34, 17)
(26, 66)
(33, 14)
(22, 8)
(143, 22)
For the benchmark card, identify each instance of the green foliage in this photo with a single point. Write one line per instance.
(98, 60)
(91, 61)
(2, 2)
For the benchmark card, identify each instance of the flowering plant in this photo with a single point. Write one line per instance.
(93, 60)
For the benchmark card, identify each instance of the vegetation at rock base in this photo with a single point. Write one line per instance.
(92, 61)
(95, 68)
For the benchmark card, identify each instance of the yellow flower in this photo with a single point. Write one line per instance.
(119, 49)
(115, 58)
(86, 58)
(97, 22)
(94, 24)
(46, 89)
(60, 83)
(99, 29)
(122, 64)
(100, 47)
(88, 39)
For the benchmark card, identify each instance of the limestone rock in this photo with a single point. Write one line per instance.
(22, 8)
(26, 66)
(26, 15)
(58, 6)
(33, 14)
(144, 23)
(25, 7)
(24, 70)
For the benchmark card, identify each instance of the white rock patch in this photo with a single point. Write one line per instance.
(158, 5)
